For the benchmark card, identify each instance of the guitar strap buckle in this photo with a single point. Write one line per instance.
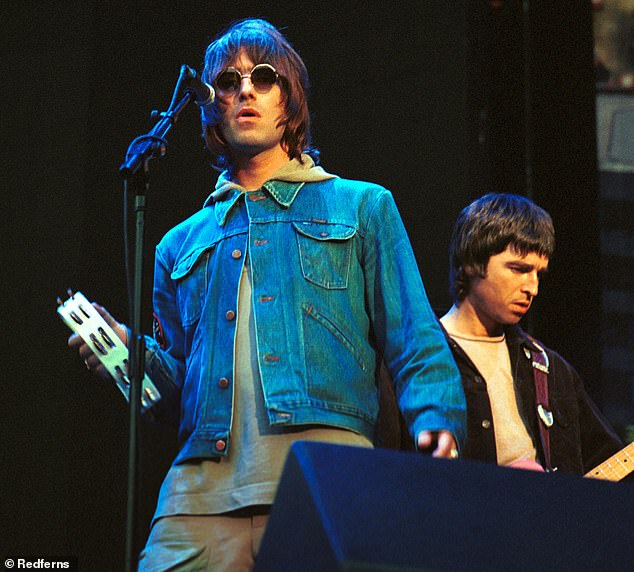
(540, 364)
(545, 415)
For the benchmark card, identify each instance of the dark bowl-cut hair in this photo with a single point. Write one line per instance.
(262, 43)
(487, 227)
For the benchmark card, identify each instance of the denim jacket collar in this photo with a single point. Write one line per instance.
(282, 191)
(283, 186)
(223, 200)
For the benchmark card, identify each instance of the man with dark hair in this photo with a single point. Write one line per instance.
(526, 406)
(274, 305)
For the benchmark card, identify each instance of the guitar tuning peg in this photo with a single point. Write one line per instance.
(70, 293)
(59, 301)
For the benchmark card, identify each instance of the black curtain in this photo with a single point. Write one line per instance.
(398, 94)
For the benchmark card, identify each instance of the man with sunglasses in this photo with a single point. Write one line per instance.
(273, 305)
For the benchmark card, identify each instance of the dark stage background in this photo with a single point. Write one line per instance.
(427, 98)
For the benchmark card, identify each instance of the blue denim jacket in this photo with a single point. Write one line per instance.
(335, 288)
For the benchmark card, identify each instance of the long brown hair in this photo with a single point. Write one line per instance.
(262, 43)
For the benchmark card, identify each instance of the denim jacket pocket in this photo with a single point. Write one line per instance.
(344, 339)
(324, 252)
(191, 275)
(331, 348)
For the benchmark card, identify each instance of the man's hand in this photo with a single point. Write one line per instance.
(444, 441)
(75, 342)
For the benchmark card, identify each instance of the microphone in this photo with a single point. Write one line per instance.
(203, 93)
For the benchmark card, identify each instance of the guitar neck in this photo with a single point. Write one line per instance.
(617, 467)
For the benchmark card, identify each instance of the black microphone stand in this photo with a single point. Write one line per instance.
(135, 172)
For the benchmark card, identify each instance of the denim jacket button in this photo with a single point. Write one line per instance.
(236, 253)
(223, 383)
(486, 424)
(221, 445)
(230, 315)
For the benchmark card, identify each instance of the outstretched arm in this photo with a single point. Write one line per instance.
(426, 380)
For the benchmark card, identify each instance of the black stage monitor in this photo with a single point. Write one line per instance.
(351, 509)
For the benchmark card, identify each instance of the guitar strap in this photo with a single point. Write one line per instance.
(539, 362)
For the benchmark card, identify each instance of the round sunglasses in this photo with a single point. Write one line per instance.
(263, 77)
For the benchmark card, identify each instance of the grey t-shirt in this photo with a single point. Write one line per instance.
(250, 473)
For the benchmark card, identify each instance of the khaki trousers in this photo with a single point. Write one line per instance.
(216, 543)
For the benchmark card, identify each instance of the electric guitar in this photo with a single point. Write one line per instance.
(617, 467)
